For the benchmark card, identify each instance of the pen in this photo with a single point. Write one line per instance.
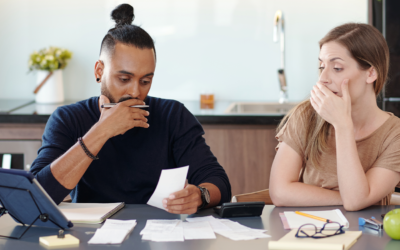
(312, 216)
(110, 105)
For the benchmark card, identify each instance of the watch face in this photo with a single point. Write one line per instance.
(207, 195)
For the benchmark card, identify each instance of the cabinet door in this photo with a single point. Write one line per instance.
(20, 149)
(246, 152)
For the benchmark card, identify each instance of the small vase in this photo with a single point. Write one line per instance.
(53, 90)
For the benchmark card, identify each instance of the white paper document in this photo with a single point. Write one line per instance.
(171, 181)
(159, 226)
(295, 220)
(215, 224)
(231, 229)
(175, 235)
(198, 230)
(113, 232)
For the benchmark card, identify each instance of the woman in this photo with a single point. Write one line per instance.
(339, 147)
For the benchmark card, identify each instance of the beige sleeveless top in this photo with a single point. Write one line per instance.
(379, 149)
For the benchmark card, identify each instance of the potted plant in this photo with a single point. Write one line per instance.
(49, 63)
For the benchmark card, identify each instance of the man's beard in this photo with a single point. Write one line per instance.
(106, 92)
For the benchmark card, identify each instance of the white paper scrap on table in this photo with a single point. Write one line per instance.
(113, 232)
(159, 226)
(119, 224)
(171, 181)
(215, 224)
(109, 236)
(198, 230)
(244, 235)
(174, 235)
(240, 232)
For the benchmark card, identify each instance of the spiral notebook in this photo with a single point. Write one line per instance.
(90, 213)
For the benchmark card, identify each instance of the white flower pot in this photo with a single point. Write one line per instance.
(53, 90)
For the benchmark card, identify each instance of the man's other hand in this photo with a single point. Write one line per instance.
(185, 201)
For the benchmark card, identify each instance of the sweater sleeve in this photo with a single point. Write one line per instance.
(189, 148)
(56, 140)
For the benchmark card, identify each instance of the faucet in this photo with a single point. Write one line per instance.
(279, 28)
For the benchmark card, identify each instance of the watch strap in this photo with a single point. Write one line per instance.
(203, 197)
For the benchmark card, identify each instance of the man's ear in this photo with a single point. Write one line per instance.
(98, 70)
(372, 75)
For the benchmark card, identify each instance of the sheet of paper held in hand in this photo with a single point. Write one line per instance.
(171, 181)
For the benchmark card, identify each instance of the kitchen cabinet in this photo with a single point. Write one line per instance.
(246, 152)
(21, 140)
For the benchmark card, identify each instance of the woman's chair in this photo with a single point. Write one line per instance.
(264, 196)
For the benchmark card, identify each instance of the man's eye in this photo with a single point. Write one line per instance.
(124, 79)
(145, 82)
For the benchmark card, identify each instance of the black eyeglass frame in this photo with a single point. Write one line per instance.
(338, 231)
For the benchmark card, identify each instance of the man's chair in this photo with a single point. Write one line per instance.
(264, 196)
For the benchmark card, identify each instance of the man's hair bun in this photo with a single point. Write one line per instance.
(122, 15)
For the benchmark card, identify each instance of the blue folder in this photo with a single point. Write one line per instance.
(27, 202)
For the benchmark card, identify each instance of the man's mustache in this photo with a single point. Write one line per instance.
(124, 98)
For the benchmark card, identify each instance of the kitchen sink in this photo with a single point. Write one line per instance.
(259, 108)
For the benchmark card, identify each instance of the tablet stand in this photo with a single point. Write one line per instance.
(42, 216)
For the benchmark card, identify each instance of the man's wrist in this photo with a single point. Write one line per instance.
(204, 196)
(99, 132)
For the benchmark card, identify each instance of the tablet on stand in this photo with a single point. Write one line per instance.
(24, 199)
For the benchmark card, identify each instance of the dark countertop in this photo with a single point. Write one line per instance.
(27, 111)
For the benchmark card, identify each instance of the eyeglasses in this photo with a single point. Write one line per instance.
(327, 230)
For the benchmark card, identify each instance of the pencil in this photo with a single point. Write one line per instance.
(312, 216)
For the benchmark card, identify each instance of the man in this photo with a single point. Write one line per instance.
(116, 154)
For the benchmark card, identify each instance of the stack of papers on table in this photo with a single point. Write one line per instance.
(198, 228)
(113, 232)
(163, 230)
(231, 229)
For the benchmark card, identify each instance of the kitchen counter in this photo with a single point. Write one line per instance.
(27, 111)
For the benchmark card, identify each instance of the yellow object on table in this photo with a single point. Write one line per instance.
(338, 242)
(54, 241)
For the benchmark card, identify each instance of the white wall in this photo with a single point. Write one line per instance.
(220, 45)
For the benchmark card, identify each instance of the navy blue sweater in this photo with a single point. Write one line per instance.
(130, 165)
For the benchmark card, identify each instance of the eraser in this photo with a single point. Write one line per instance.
(54, 241)
(361, 221)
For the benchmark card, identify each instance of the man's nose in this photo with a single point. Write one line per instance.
(134, 89)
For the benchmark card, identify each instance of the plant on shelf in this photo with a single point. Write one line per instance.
(49, 59)
(49, 62)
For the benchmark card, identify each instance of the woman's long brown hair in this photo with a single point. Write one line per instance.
(368, 47)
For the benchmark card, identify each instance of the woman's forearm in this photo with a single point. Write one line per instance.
(299, 194)
(353, 183)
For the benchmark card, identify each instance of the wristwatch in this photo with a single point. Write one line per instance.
(205, 197)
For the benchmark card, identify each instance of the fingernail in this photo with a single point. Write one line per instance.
(148, 113)
(172, 196)
(164, 201)
(148, 125)
(165, 205)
